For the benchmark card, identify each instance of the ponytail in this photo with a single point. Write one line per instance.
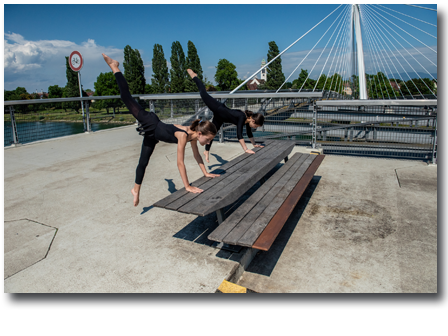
(205, 127)
(258, 118)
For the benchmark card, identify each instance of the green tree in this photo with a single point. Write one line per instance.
(134, 71)
(226, 75)
(160, 80)
(194, 63)
(106, 85)
(178, 71)
(148, 89)
(275, 76)
(418, 87)
(15, 94)
(299, 82)
(55, 91)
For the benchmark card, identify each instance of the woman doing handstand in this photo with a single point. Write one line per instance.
(155, 130)
(222, 114)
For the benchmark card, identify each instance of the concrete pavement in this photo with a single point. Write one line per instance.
(363, 225)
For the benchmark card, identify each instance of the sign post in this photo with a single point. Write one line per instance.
(76, 62)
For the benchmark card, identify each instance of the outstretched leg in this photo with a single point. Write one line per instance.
(211, 102)
(126, 96)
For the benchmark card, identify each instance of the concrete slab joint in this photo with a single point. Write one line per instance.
(26, 243)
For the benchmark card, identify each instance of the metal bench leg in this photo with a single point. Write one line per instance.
(220, 215)
(223, 246)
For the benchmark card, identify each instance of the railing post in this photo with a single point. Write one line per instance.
(89, 128)
(434, 143)
(314, 126)
(172, 111)
(15, 136)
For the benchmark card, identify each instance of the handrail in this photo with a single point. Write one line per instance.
(382, 102)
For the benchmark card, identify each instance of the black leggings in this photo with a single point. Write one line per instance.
(215, 106)
(146, 119)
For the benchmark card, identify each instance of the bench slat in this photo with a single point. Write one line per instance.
(224, 229)
(267, 237)
(259, 225)
(216, 182)
(182, 192)
(216, 199)
(235, 235)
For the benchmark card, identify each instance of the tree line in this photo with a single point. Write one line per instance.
(177, 80)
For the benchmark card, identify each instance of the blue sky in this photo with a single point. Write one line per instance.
(37, 37)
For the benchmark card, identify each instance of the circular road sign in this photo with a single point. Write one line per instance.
(75, 61)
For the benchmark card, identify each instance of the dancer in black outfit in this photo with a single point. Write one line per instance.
(222, 114)
(155, 130)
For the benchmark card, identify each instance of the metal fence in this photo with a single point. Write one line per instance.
(386, 128)
(403, 129)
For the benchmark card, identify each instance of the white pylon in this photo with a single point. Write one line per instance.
(360, 52)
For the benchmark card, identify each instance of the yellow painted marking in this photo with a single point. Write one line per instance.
(315, 153)
(228, 287)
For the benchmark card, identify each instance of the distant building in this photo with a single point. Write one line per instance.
(263, 72)
(255, 82)
(395, 85)
(347, 89)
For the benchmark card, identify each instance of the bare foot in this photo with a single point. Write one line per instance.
(111, 62)
(191, 73)
(136, 196)
(207, 154)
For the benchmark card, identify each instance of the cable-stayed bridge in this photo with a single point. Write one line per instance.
(370, 88)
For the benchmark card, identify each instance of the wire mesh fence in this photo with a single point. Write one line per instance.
(377, 130)
(400, 129)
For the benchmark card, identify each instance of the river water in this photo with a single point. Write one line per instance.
(40, 130)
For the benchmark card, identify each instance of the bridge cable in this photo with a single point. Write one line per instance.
(412, 47)
(333, 58)
(435, 10)
(309, 53)
(368, 24)
(323, 50)
(375, 49)
(372, 9)
(407, 23)
(312, 50)
(337, 62)
(414, 59)
(344, 58)
(282, 52)
(407, 15)
(393, 54)
(369, 16)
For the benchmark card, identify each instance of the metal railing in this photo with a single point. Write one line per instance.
(388, 128)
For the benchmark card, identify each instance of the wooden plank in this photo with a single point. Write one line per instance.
(234, 190)
(163, 203)
(246, 224)
(223, 230)
(217, 182)
(259, 225)
(267, 237)
(196, 205)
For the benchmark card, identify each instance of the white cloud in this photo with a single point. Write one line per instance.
(37, 65)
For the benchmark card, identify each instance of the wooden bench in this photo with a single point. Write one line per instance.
(237, 177)
(258, 221)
